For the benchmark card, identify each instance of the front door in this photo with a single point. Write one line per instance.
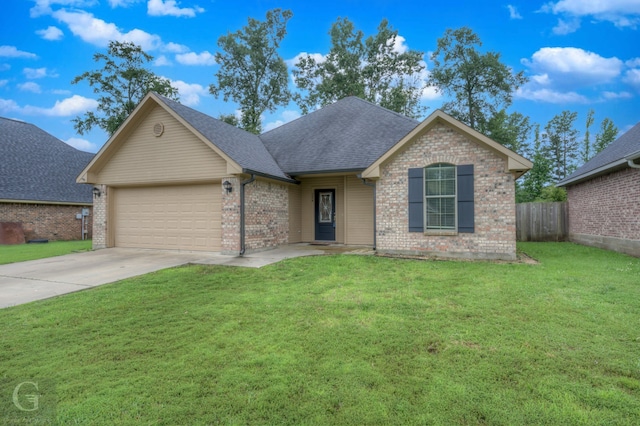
(325, 214)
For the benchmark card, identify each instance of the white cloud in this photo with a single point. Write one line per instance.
(550, 96)
(50, 33)
(43, 7)
(30, 86)
(632, 77)
(67, 107)
(3, 82)
(175, 47)
(633, 63)
(162, 61)
(98, 32)
(63, 92)
(82, 144)
(399, 45)
(572, 65)
(35, 73)
(622, 13)
(616, 95)
(189, 93)
(170, 8)
(192, 58)
(513, 12)
(318, 57)
(13, 52)
(287, 116)
(566, 27)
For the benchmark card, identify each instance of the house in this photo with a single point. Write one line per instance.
(350, 173)
(37, 183)
(604, 197)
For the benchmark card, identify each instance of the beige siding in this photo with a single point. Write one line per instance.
(168, 217)
(307, 188)
(177, 156)
(295, 215)
(359, 212)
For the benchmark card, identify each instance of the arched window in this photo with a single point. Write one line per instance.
(440, 196)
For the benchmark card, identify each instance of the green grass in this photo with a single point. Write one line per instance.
(344, 340)
(22, 252)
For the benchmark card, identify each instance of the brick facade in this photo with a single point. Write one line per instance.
(47, 221)
(605, 211)
(494, 193)
(266, 216)
(100, 225)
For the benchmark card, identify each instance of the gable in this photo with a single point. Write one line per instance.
(513, 162)
(176, 156)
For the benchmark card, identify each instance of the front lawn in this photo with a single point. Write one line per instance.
(343, 340)
(23, 252)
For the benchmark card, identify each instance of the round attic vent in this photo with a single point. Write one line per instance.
(158, 129)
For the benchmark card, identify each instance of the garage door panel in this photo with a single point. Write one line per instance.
(172, 217)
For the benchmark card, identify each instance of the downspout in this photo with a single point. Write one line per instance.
(631, 158)
(242, 184)
(373, 185)
(633, 165)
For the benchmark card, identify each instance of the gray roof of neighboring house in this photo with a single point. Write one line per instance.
(347, 135)
(243, 147)
(35, 166)
(612, 157)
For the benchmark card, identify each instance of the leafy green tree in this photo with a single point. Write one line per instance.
(230, 119)
(586, 152)
(252, 72)
(122, 83)
(539, 176)
(552, 193)
(562, 140)
(374, 69)
(608, 133)
(511, 130)
(479, 84)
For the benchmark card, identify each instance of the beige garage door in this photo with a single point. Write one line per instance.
(169, 217)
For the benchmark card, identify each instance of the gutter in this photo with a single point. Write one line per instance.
(242, 185)
(264, 175)
(631, 160)
(373, 185)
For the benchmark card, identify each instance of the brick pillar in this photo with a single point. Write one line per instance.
(230, 220)
(100, 217)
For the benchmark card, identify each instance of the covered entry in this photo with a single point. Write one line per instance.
(179, 217)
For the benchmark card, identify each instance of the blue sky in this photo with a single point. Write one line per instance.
(578, 54)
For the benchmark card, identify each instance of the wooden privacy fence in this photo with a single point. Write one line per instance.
(541, 221)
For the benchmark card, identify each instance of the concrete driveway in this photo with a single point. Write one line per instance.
(40, 279)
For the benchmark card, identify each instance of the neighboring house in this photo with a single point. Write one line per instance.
(351, 173)
(37, 183)
(604, 197)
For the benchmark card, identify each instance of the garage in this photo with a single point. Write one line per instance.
(179, 217)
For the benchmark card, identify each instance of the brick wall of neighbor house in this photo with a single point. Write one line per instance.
(230, 220)
(100, 210)
(47, 221)
(494, 194)
(605, 211)
(266, 215)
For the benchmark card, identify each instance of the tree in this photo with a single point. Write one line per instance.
(608, 133)
(586, 152)
(252, 73)
(122, 83)
(511, 130)
(540, 174)
(480, 84)
(376, 69)
(563, 143)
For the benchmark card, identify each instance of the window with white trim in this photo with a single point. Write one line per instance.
(440, 196)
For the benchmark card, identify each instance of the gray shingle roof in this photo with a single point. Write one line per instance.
(347, 135)
(36, 166)
(243, 147)
(609, 158)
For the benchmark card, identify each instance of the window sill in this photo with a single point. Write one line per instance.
(441, 232)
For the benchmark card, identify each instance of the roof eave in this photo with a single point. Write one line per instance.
(268, 176)
(607, 168)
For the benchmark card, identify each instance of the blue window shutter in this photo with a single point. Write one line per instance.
(416, 200)
(465, 199)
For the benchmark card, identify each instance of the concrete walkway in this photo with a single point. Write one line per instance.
(40, 279)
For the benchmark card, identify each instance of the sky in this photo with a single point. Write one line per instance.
(578, 54)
